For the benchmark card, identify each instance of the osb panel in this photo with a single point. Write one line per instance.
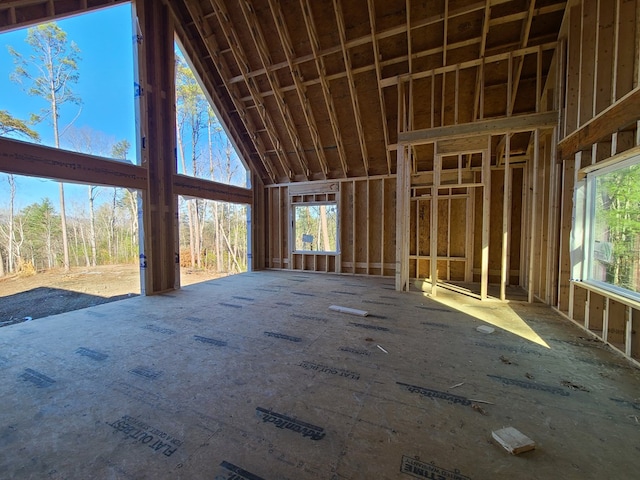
(346, 123)
(361, 212)
(391, 104)
(324, 18)
(443, 226)
(463, 54)
(617, 322)
(635, 335)
(356, 18)
(389, 224)
(346, 221)
(477, 228)
(427, 37)
(526, 99)
(516, 227)
(495, 101)
(465, 27)
(456, 271)
(362, 57)
(458, 234)
(426, 10)
(390, 13)
(296, 27)
(579, 302)
(375, 213)
(323, 123)
(505, 34)
(495, 224)
(371, 116)
(414, 226)
(442, 270)
(596, 309)
(509, 8)
(422, 103)
(424, 221)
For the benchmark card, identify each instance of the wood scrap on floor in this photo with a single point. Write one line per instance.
(513, 441)
(350, 311)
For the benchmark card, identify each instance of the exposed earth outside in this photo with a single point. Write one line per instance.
(26, 298)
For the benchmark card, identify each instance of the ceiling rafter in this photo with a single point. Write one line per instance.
(19, 13)
(446, 33)
(263, 52)
(385, 63)
(409, 49)
(390, 81)
(526, 30)
(204, 29)
(298, 84)
(376, 57)
(355, 105)
(228, 31)
(322, 74)
(486, 23)
(365, 39)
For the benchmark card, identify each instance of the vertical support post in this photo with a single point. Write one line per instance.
(506, 219)
(605, 321)
(403, 211)
(403, 196)
(437, 162)
(160, 263)
(486, 213)
(534, 213)
(628, 331)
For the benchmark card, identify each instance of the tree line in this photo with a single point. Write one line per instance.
(104, 229)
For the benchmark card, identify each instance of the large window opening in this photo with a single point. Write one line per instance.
(613, 227)
(213, 235)
(69, 85)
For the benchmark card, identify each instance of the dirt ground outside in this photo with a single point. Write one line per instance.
(25, 298)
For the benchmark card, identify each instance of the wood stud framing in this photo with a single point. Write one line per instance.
(491, 104)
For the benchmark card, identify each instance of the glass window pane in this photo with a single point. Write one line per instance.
(316, 227)
(616, 228)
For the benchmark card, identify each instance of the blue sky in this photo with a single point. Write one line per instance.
(106, 82)
(104, 38)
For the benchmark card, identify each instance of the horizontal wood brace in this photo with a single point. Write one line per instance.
(494, 126)
(611, 120)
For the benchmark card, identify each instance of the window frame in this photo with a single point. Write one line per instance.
(306, 203)
(588, 220)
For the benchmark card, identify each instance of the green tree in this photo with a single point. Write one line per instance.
(618, 224)
(50, 72)
(41, 227)
(191, 115)
(11, 125)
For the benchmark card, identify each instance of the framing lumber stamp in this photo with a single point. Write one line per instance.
(513, 440)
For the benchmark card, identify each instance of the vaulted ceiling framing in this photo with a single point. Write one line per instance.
(309, 90)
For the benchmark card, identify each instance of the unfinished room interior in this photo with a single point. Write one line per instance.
(444, 252)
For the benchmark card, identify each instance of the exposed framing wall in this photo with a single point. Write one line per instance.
(600, 48)
(366, 209)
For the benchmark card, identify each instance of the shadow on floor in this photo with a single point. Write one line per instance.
(44, 301)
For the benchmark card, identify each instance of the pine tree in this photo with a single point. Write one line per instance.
(50, 72)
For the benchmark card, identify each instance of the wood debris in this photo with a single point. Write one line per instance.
(513, 441)
(574, 386)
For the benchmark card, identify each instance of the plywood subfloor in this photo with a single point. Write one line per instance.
(253, 376)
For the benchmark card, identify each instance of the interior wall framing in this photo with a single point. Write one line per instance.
(366, 209)
(600, 111)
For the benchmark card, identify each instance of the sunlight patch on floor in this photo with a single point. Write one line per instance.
(499, 315)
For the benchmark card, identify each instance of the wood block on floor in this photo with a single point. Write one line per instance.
(513, 440)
